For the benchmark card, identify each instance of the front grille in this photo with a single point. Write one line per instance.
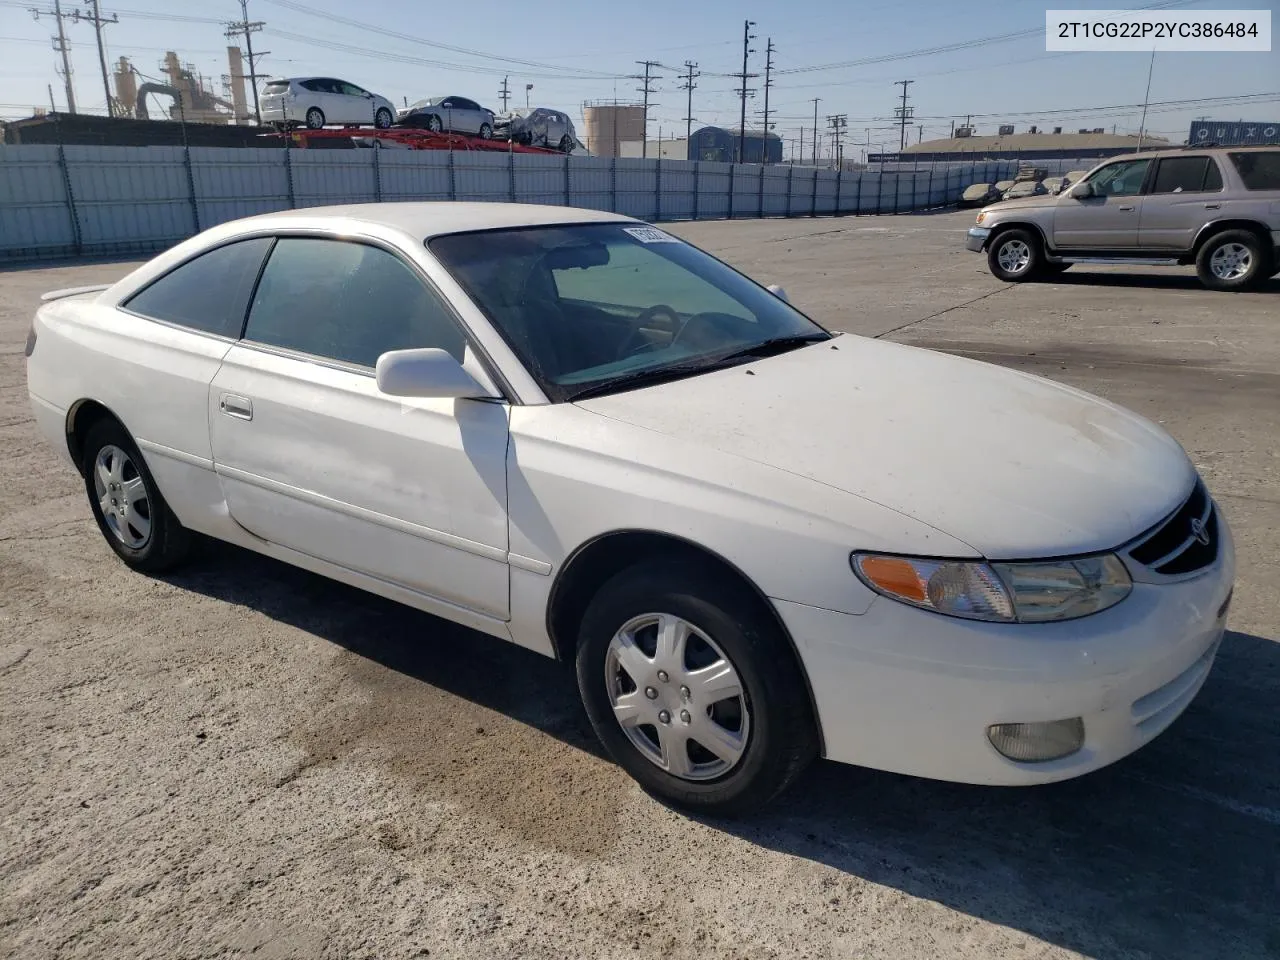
(1186, 542)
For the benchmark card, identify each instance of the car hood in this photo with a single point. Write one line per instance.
(1014, 465)
(1022, 203)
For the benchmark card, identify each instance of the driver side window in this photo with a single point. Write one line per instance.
(1123, 179)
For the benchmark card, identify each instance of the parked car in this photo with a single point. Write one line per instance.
(540, 127)
(448, 114)
(757, 541)
(978, 195)
(321, 101)
(1216, 208)
(1025, 188)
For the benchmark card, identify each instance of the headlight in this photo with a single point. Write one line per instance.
(1031, 592)
(981, 216)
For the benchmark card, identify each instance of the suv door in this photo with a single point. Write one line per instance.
(313, 457)
(1109, 219)
(1184, 195)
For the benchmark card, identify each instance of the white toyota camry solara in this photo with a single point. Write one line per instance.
(757, 541)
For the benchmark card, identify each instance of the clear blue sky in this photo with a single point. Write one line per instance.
(578, 50)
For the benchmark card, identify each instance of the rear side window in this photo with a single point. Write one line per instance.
(1185, 175)
(209, 293)
(347, 301)
(276, 86)
(1259, 171)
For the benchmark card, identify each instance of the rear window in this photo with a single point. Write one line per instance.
(1260, 170)
(276, 86)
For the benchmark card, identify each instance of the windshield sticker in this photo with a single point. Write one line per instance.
(650, 235)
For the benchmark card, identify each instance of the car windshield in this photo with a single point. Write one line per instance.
(595, 308)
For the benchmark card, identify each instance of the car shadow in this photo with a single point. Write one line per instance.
(1079, 275)
(1172, 852)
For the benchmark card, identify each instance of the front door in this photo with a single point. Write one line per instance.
(1107, 220)
(313, 457)
(1185, 194)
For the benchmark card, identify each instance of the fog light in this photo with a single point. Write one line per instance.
(1037, 742)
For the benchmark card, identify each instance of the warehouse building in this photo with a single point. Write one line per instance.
(1031, 145)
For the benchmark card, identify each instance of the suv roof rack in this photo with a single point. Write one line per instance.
(1200, 145)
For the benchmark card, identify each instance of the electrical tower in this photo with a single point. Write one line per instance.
(647, 89)
(903, 113)
(691, 73)
(61, 45)
(743, 92)
(768, 82)
(838, 123)
(246, 28)
(504, 93)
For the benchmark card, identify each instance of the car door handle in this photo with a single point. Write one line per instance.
(233, 406)
(1127, 209)
(1213, 206)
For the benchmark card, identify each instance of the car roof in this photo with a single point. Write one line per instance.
(424, 219)
(1196, 148)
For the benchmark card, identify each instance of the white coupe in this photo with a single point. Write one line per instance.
(759, 542)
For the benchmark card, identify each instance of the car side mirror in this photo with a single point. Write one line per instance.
(778, 292)
(427, 372)
(1082, 190)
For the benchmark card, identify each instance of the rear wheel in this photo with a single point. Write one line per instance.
(486, 132)
(1232, 260)
(132, 515)
(1015, 256)
(382, 119)
(566, 144)
(315, 118)
(434, 124)
(693, 689)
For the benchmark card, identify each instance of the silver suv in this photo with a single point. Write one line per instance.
(1217, 208)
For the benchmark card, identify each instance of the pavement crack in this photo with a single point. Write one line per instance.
(934, 316)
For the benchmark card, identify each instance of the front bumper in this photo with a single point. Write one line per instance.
(906, 690)
(977, 239)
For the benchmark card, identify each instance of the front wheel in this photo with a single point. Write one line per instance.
(1015, 256)
(434, 124)
(382, 119)
(132, 515)
(486, 132)
(693, 689)
(566, 144)
(1233, 260)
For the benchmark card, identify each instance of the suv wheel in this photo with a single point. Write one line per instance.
(1232, 260)
(692, 690)
(1015, 256)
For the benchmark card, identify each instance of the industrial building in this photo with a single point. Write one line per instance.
(1034, 144)
(717, 143)
(1234, 133)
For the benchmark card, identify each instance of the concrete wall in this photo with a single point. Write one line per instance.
(72, 200)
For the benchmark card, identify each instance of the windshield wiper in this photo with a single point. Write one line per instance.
(641, 378)
(772, 347)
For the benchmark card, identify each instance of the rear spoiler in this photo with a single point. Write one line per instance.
(73, 291)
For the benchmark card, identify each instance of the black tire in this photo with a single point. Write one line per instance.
(779, 726)
(486, 132)
(315, 118)
(434, 124)
(1227, 244)
(382, 119)
(1020, 245)
(167, 542)
(566, 144)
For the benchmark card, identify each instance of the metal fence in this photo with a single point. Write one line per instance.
(65, 200)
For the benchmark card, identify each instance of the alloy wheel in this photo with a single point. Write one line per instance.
(1014, 256)
(122, 497)
(1231, 261)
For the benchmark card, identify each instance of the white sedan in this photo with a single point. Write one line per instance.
(758, 542)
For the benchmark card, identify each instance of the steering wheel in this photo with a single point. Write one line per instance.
(634, 343)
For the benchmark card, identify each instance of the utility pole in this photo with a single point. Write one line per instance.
(647, 89)
(1146, 99)
(838, 123)
(904, 113)
(743, 91)
(61, 45)
(504, 93)
(800, 152)
(768, 82)
(96, 18)
(691, 72)
(816, 101)
(246, 28)
(920, 133)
